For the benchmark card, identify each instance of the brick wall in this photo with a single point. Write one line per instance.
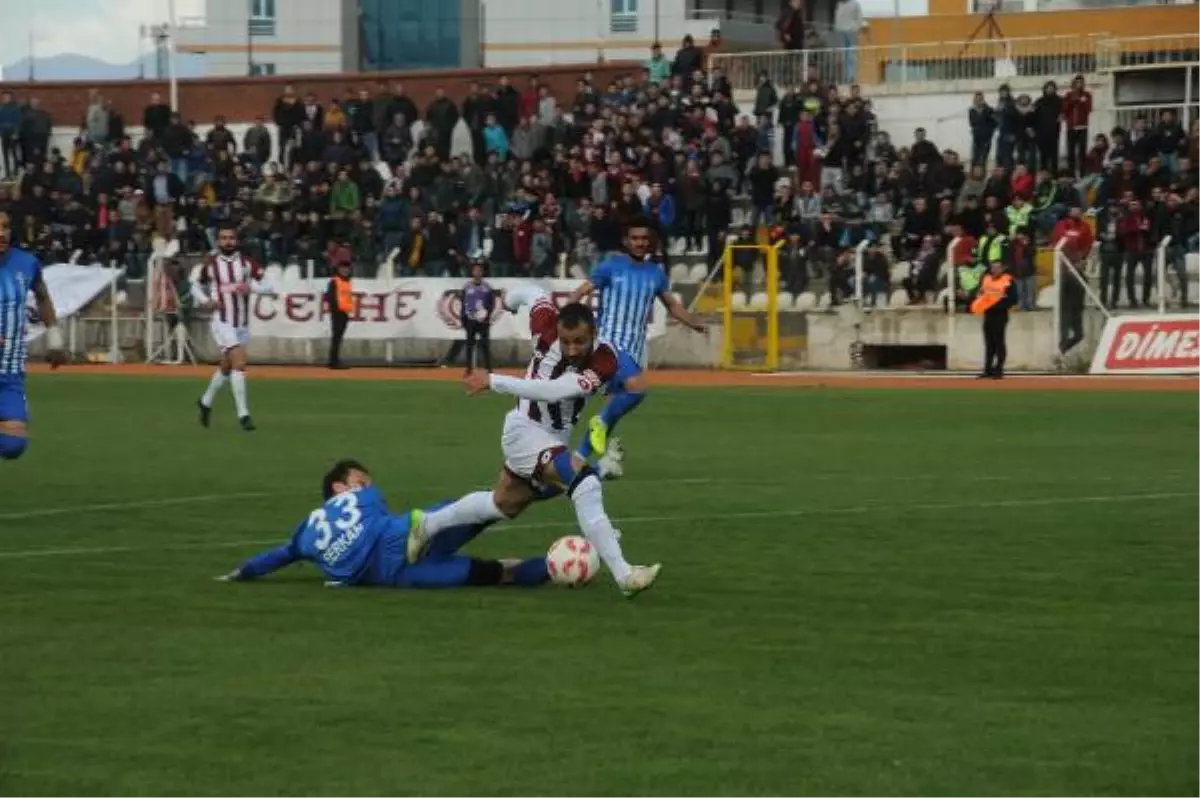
(242, 99)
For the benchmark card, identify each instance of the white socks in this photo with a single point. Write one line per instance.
(593, 521)
(474, 508)
(238, 380)
(214, 385)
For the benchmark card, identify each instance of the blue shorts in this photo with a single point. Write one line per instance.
(13, 404)
(627, 368)
(443, 566)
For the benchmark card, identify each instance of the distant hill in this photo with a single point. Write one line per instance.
(71, 66)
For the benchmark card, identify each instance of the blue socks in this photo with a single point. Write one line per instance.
(12, 447)
(617, 407)
(531, 572)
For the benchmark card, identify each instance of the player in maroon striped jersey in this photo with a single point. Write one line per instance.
(223, 284)
(567, 367)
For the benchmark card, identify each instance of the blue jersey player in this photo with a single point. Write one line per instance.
(20, 273)
(628, 283)
(354, 540)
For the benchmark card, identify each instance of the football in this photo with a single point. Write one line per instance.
(572, 561)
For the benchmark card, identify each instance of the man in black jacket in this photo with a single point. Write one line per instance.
(789, 115)
(34, 132)
(361, 114)
(288, 114)
(1047, 114)
(157, 115)
(1009, 127)
(1112, 253)
(442, 116)
(475, 110)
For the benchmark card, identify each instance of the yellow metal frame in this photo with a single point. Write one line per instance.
(772, 276)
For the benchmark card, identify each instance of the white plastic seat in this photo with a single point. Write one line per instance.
(899, 299)
(806, 301)
(698, 273)
(679, 273)
(899, 271)
(825, 301)
(758, 300)
(1192, 265)
(1045, 298)
(786, 301)
(738, 300)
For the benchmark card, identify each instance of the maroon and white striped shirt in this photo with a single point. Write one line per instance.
(548, 363)
(226, 279)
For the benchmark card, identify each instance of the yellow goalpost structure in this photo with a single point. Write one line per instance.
(751, 329)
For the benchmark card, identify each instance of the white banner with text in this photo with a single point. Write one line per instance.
(1168, 344)
(404, 308)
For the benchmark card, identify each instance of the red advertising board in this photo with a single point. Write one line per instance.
(1149, 345)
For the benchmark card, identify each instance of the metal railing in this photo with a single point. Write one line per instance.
(1019, 6)
(898, 65)
(1123, 116)
(1141, 52)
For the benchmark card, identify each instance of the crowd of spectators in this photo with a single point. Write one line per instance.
(540, 178)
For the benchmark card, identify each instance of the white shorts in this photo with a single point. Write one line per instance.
(523, 442)
(227, 336)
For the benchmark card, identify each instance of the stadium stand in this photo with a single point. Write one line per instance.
(542, 183)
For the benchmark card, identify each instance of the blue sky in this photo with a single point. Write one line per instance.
(104, 29)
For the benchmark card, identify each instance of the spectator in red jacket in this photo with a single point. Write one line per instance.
(523, 245)
(808, 165)
(1097, 156)
(1022, 183)
(1134, 230)
(1073, 230)
(1077, 107)
(529, 99)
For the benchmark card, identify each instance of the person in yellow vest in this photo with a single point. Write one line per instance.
(339, 298)
(997, 293)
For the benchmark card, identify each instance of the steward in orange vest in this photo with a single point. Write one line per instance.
(339, 299)
(997, 293)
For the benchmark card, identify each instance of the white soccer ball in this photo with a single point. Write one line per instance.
(572, 561)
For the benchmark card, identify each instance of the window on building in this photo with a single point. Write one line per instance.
(410, 34)
(261, 21)
(624, 16)
(262, 70)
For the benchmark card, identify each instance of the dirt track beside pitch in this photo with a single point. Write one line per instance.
(695, 378)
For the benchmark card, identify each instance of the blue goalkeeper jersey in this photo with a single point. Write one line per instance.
(627, 290)
(352, 538)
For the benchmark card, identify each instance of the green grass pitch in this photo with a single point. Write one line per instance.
(864, 592)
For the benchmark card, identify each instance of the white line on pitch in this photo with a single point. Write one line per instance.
(650, 519)
(141, 504)
(166, 501)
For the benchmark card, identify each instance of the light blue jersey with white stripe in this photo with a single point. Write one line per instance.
(20, 273)
(627, 290)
